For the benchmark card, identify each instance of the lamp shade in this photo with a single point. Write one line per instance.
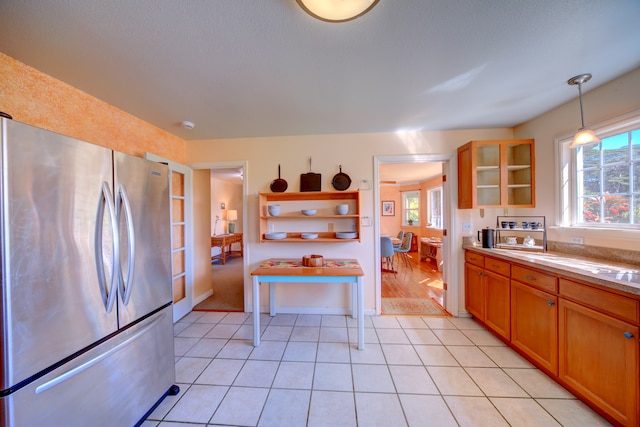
(232, 215)
(584, 136)
(336, 10)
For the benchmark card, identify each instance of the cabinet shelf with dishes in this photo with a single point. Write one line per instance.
(309, 217)
(529, 232)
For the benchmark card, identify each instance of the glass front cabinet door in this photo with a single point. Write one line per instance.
(494, 174)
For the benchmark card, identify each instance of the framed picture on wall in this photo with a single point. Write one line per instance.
(388, 208)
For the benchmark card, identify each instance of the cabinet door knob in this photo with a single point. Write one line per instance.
(550, 303)
(628, 335)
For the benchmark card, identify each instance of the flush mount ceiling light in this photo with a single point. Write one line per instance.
(584, 134)
(337, 10)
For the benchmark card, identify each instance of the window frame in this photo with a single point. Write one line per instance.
(405, 209)
(430, 193)
(566, 169)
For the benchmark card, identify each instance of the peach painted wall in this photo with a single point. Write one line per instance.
(38, 99)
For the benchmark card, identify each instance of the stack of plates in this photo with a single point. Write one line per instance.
(309, 235)
(275, 235)
(346, 235)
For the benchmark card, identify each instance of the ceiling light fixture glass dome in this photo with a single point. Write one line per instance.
(337, 10)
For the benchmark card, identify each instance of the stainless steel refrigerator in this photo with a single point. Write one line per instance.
(86, 316)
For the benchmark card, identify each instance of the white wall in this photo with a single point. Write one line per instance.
(614, 99)
(356, 152)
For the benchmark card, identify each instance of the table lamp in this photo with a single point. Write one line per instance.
(232, 217)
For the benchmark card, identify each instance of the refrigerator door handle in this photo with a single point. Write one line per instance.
(78, 369)
(108, 293)
(126, 285)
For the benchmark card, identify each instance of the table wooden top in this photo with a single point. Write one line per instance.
(294, 267)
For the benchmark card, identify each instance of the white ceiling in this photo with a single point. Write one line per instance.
(247, 68)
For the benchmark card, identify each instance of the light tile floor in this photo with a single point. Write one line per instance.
(307, 371)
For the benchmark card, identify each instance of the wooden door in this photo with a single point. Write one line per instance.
(498, 307)
(534, 327)
(599, 359)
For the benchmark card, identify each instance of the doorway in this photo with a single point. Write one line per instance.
(226, 225)
(415, 188)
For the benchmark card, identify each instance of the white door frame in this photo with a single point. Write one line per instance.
(245, 191)
(449, 274)
(184, 306)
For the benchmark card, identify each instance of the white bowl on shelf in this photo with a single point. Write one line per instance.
(274, 210)
(276, 235)
(342, 209)
(309, 235)
(346, 235)
(308, 212)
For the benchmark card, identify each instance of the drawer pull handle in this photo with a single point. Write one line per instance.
(529, 277)
(495, 266)
(550, 303)
(628, 335)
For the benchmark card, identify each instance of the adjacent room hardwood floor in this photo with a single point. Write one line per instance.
(423, 281)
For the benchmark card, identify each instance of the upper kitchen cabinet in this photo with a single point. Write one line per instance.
(496, 174)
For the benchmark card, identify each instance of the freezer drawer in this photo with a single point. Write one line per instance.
(114, 384)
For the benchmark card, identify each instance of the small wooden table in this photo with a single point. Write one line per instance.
(430, 248)
(224, 241)
(292, 271)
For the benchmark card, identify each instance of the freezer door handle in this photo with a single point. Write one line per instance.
(108, 293)
(78, 369)
(122, 201)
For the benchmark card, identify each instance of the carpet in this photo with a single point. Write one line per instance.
(412, 306)
(227, 283)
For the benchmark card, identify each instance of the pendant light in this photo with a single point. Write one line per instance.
(584, 134)
(336, 10)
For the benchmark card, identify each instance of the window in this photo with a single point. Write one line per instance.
(435, 208)
(602, 181)
(411, 208)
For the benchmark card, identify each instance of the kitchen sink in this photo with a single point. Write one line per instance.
(627, 277)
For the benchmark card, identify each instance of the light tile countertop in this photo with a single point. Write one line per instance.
(582, 268)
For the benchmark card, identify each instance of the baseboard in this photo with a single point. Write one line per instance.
(202, 297)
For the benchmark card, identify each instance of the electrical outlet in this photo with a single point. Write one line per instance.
(466, 227)
(577, 240)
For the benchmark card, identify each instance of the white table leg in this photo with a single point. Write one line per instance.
(256, 311)
(272, 299)
(360, 314)
(354, 300)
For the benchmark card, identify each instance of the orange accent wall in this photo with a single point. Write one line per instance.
(38, 99)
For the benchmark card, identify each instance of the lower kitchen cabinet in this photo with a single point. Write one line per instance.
(534, 328)
(599, 359)
(475, 290)
(487, 293)
(498, 310)
(584, 336)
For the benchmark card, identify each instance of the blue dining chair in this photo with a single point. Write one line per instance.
(386, 253)
(404, 248)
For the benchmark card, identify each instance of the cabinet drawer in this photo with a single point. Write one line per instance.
(535, 278)
(474, 258)
(617, 305)
(497, 266)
